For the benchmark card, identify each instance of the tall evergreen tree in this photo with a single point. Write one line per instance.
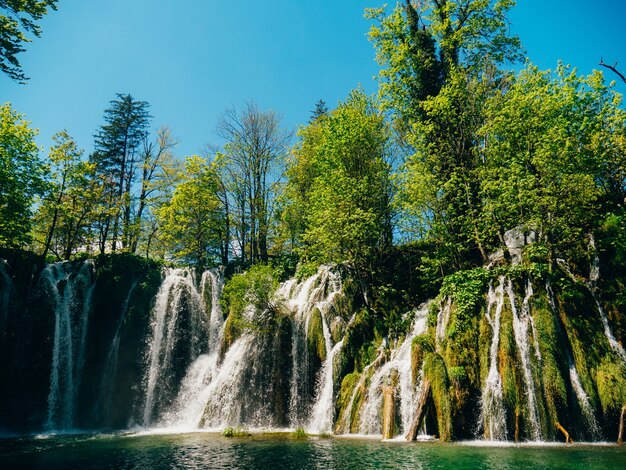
(320, 110)
(118, 144)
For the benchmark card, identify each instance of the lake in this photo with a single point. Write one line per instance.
(265, 451)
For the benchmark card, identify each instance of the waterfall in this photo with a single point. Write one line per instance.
(520, 330)
(188, 408)
(581, 396)
(323, 411)
(178, 336)
(618, 348)
(594, 276)
(6, 286)
(400, 364)
(443, 317)
(583, 401)
(315, 294)
(216, 317)
(71, 300)
(345, 420)
(492, 415)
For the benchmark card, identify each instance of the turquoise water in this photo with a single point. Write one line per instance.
(204, 450)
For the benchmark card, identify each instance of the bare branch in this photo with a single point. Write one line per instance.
(613, 68)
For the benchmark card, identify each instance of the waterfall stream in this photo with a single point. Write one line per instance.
(520, 329)
(492, 408)
(178, 337)
(581, 396)
(71, 298)
(400, 364)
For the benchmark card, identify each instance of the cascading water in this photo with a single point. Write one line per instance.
(179, 335)
(594, 276)
(400, 364)
(443, 317)
(188, 408)
(71, 298)
(583, 399)
(492, 415)
(520, 331)
(314, 296)
(322, 415)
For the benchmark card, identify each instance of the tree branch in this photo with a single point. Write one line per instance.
(613, 69)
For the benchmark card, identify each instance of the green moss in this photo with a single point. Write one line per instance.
(435, 372)
(551, 376)
(421, 345)
(235, 432)
(315, 335)
(348, 384)
(611, 381)
(299, 433)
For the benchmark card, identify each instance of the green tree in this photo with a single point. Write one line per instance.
(339, 183)
(158, 170)
(554, 156)
(19, 19)
(193, 221)
(252, 166)
(440, 179)
(118, 145)
(21, 177)
(65, 214)
(320, 110)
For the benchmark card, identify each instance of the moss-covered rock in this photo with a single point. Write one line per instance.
(315, 335)
(436, 373)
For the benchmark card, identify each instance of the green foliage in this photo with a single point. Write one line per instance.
(235, 432)
(315, 336)
(21, 177)
(545, 165)
(467, 288)
(551, 348)
(61, 223)
(20, 19)
(339, 184)
(346, 390)
(253, 288)
(193, 221)
(299, 433)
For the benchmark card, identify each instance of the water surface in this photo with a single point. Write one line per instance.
(207, 450)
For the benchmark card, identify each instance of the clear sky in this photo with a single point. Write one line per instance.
(190, 59)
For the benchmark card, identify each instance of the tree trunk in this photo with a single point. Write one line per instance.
(389, 411)
(620, 433)
(568, 439)
(419, 411)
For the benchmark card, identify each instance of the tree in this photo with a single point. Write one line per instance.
(339, 180)
(19, 20)
(118, 144)
(439, 63)
(320, 110)
(554, 153)
(65, 213)
(253, 164)
(21, 177)
(158, 175)
(441, 184)
(193, 221)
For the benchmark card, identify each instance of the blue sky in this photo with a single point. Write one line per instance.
(190, 59)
